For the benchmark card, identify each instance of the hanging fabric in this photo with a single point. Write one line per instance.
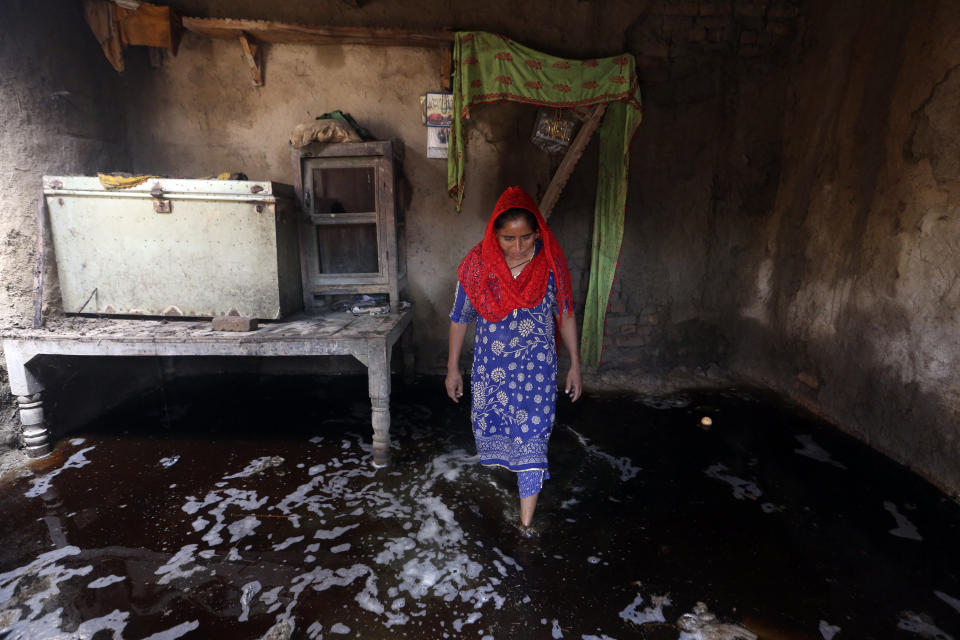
(492, 68)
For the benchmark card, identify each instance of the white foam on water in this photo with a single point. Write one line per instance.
(395, 548)
(922, 625)
(256, 466)
(105, 581)
(950, 600)
(653, 613)
(458, 624)
(166, 463)
(48, 627)
(566, 504)
(602, 636)
(340, 628)
(38, 566)
(316, 439)
(623, 464)
(247, 592)
(42, 485)
(244, 499)
(593, 559)
(330, 534)
(450, 465)
(437, 560)
(77, 441)
(815, 452)
(173, 569)
(827, 630)
(288, 542)
(271, 596)
(47, 574)
(556, 631)
(315, 631)
(243, 528)
(178, 631)
(116, 621)
(192, 505)
(741, 488)
(904, 528)
(510, 561)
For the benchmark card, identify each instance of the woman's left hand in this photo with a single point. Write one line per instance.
(574, 383)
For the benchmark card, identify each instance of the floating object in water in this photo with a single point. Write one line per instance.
(703, 625)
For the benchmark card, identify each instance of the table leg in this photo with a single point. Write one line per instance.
(26, 387)
(36, 437)
(407, 353)
(378, 376)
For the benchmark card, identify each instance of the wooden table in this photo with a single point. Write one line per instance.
(368, 338)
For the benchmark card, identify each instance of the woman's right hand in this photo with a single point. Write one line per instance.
(454, 385)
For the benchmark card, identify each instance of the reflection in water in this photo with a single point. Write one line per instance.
(226, 522)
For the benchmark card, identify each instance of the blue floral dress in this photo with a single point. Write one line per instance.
(513, 386)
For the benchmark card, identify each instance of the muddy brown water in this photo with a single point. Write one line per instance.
(226, 507)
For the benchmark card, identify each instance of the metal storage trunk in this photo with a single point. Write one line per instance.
(195, 248)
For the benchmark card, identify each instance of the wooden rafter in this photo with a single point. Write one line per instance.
(571, 158)
(251, 53)
(280, 32)
(446, 67)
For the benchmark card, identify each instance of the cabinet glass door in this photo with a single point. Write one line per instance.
(342, 204)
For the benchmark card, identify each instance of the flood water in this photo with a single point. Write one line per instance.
(234, 506)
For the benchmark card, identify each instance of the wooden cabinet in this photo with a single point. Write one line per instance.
(352, 230)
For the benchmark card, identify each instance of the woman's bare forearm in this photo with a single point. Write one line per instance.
(457, 333)
(568, 335)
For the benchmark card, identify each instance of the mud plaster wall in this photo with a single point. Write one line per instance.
(848, 292)
(706, 66)
(713, 74)
(58, 114)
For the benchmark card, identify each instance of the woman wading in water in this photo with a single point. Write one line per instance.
(516, 286)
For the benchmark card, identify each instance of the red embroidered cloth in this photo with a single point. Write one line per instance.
(487, 281)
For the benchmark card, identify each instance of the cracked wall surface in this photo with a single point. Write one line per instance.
(58, 114)
(847, 297)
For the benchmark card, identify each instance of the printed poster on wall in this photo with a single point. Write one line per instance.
(438, 117)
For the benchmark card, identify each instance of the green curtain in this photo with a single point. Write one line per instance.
(492, 68)
(619, 123)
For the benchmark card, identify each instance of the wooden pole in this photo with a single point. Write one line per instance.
(251, 53)
(570, 160)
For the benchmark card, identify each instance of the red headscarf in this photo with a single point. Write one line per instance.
(487, 281)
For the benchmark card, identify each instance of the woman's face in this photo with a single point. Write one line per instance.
(517, 240)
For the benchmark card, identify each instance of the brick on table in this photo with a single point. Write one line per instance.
(234, 323)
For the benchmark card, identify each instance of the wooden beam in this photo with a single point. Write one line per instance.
(570, 160)
(280, 32)
(251, 53)
(446, 66)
